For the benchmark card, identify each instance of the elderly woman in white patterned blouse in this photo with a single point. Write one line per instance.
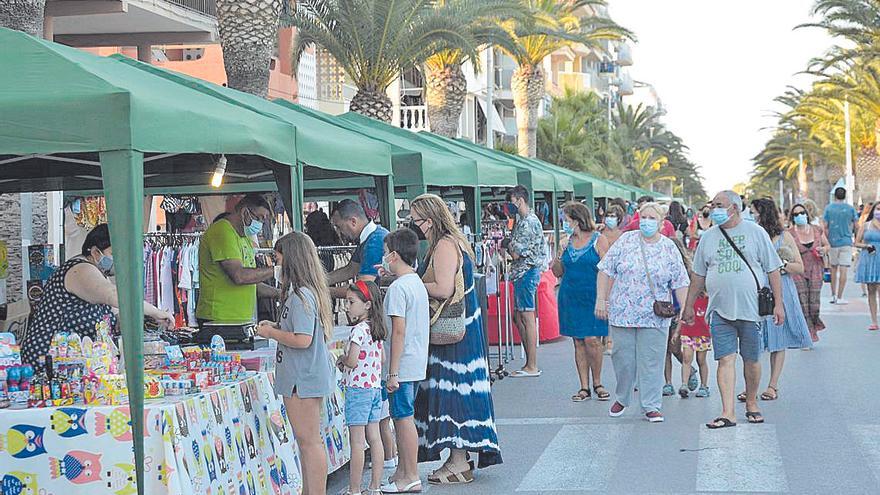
(636, 277)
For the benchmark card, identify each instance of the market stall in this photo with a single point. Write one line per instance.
(74, 121)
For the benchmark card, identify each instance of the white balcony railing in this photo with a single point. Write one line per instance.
(414, 118)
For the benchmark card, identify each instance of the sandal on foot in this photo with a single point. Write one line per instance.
(719, 423)
(581, 395)
(755, 417)
(414, 487)
(741, 397)
(601, 393)
(446, 476)
(683, 391)
(773, 396)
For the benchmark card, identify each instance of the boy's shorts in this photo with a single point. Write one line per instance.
(402, 401)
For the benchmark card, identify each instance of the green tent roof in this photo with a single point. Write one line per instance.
(57, 99)
(541, 180)
(441, 167)
(318, 143)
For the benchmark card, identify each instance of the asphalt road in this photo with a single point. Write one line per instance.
(822, 436)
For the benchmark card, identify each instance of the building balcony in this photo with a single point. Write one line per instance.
(575, 81)
(413, 118)
(96, 23)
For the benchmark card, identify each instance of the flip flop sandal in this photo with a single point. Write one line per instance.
(525, 374)
(603, 395)
(774, 396)
(414, 487)
(755, 417)
(725, 423)
(741, 397)
(581, 395)
(446, 476)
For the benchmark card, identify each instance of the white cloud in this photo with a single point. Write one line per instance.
(717, 67)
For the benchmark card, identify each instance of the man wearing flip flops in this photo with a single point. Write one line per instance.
(526, 247)
(732, 260)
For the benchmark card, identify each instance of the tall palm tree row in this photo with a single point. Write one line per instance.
(551, 26)
(372, 40)
(637, 150)
(248, 34)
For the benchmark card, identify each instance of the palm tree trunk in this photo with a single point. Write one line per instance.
(26, 16)
(372, 103)
(867, 173)
(23, 15)
(527, 84)
(445, 94)
(248, 33)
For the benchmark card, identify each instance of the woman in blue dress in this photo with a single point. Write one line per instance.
(868, 271)
(794, 332)
(453, 407)
(577, 296)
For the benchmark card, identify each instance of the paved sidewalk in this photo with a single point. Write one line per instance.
(822, 435)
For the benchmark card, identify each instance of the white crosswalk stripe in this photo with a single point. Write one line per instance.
(741, 459)
(558, 470)
(868, 437)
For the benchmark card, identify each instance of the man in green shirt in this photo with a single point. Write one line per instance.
(229, 278)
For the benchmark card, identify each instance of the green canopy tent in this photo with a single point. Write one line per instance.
(365, 163)
(72, 120)
(533, 176)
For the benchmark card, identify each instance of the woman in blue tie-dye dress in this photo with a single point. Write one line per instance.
(453, 408)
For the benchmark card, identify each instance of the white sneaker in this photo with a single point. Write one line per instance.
(833, 300)
(842, 301)
(391, 463)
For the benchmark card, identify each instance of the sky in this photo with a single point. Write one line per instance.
(717, 66)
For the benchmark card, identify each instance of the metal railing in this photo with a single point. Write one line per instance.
(207, 7)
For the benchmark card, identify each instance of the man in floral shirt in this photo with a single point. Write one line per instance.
(526, 247)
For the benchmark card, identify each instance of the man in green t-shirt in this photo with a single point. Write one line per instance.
(229, 280)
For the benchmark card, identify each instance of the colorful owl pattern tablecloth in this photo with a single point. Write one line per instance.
(233, 440)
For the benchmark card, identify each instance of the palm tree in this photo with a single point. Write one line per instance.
(445, 83)
(553, 25)
(23, 15)
(856, 21)
(373, 39)
(574, 133)
(248, 34)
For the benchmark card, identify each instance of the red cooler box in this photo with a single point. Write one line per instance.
(548, 317)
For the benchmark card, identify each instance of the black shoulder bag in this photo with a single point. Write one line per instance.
(766, 301)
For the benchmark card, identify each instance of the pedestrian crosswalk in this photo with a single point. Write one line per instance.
(567, 465)
(742, 459)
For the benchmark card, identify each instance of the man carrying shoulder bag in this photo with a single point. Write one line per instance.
(734, 261)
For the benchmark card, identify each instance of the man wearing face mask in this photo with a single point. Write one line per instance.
(352, 224)
(229, 279)
(79, 295)
(526, 247)
(733, 311)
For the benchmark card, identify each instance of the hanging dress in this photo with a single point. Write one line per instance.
(61, 311)
(868, 271)
(577, 292)
(793, 333)
(453, 408)
(809, 284)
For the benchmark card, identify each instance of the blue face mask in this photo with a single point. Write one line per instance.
(719, 216)
(512, 208)
(386, 265)
(611, 222)
(800, 219)
(105, 264)
(648, 226)
(747, 215)
(254, 228)
(567, 228)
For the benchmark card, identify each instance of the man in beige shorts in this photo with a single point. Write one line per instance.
(840, 221)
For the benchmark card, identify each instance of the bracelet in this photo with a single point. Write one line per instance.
(393, 375)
